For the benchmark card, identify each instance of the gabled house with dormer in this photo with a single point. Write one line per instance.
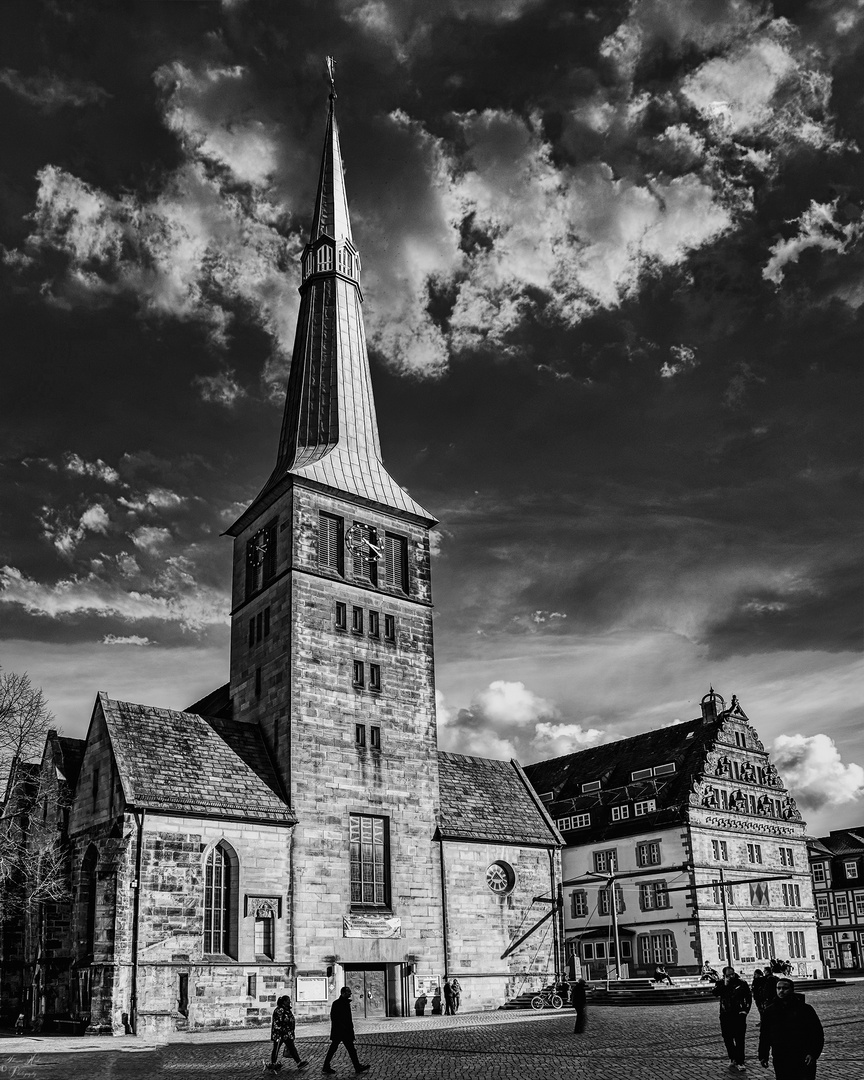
(652, 817)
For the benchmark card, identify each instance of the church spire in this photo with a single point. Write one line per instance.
(330, 430)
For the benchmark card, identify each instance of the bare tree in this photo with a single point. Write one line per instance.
(24, 720)
(32, 851)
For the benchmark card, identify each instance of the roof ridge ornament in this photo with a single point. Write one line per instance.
(330, 64)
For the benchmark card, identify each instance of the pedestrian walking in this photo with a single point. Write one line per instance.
(448, 998)
(735, 1003)
(456, 987)
(577, 1000)
(282, 1027)
(792, 1033)
(342, 1031)
(764, 990)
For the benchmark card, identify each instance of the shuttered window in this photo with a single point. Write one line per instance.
(396, 562)
(330, 542)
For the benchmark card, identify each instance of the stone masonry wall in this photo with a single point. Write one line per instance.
(308, 707)
(481, 923)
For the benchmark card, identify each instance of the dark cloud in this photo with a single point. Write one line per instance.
(613, 289)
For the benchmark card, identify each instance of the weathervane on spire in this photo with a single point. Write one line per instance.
(331, 74)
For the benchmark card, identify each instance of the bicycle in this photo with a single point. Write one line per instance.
(547, 998)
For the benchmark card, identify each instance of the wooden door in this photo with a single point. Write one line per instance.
(368, 992)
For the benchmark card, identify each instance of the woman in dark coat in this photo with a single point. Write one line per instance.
(577, 1000)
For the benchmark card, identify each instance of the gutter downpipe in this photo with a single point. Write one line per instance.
(553, 893)
(444, 906)
(136, 903)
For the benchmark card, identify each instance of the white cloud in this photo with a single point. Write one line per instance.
(507, 720)
(818, 228)
(157, 498)
(97, 469)
(683, 358)
(222, 389)
(49, 92)
(150, 538)
(65, 533)
(130, 639)
(511, 703)
(175, 597)
(555, 740)
(814, 772)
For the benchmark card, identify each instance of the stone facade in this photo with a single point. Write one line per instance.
(672, 813)
(837, 873)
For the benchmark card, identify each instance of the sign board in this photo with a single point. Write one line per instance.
(311, 988)
(371, 926)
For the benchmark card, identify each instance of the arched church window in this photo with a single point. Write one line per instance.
(324, 258)
(220, 901)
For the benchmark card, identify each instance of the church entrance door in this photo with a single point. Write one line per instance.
(368, 991)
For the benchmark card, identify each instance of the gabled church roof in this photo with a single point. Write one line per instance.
(185, 763)
(487, 800)
(330, 428)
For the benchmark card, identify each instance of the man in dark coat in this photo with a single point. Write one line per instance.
(735, 1002)
(764, 990)
(791, 1031)
(448, 998)
(577, 1000)
(342, 1031)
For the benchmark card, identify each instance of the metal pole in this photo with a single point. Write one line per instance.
(725, 919)
(614, 902)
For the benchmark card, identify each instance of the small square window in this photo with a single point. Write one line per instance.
(341, 616)
(259, 626)
(620, 813)
(564, 824)
(641, 774)
(374, 624)
(375, 677)
(266, 622)
(360, 734)
(359, 675)
(375, 737)
(390, 628)
(252, 630)
(851, 869)
(357, 620)
(581, 821)
(257, 682)
(251, 986)
(664, 770)
(592, 785)
(647, 806)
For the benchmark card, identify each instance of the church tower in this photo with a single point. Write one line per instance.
(331, 641)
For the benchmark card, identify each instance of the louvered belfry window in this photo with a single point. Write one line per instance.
(368, 837)
(330, 542)
(217, 883)
(396, 561)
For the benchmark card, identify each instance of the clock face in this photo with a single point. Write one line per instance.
(358, 542)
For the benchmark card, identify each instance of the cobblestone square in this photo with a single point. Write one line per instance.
(678, 1042)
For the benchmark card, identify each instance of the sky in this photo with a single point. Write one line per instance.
(612, 276)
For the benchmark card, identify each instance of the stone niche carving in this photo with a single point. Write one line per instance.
(724, 767)
(710, 797)
(264, 907)
(790, 810)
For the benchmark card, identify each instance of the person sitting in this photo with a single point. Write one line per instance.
(661, 975)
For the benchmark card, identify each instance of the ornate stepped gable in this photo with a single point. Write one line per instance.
(717, 762)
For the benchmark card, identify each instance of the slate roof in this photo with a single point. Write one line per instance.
(844, 841)
(185, 763)
(486, 800)
(329, 428)
(216, 703)
(686, 745)
(71, 755)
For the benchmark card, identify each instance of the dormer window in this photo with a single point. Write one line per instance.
(640, 774)
(664, 770)
(592, 785)
(547, 796)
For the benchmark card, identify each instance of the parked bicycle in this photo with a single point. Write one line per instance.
(547, 998)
